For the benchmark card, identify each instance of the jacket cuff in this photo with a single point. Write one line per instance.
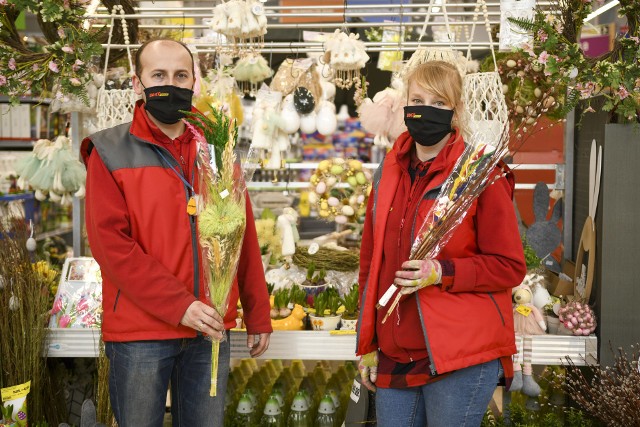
(464, 277)
(448, 269)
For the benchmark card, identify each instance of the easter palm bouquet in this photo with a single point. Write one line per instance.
(220, 210)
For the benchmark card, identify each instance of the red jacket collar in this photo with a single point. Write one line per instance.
(145, 129)
(400, 154)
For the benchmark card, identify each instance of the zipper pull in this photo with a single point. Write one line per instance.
(182, 160)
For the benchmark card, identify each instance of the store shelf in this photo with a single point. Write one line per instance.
(304, 345)
(324, 345)
(16, 144)
(73, 343)
(14, 197)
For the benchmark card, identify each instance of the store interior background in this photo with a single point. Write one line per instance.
(553, 147)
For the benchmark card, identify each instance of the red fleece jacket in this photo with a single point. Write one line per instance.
(143, 240)
(469, 322)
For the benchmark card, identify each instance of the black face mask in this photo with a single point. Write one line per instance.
(427, 125)
(165, 102)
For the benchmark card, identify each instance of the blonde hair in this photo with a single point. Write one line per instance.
(442, 79)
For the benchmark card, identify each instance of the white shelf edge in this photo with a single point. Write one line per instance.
(321, 345)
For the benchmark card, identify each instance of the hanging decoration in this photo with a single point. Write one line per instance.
(340, 189)
(218, 91)
(251, 70)
(52, 170)
(387, 103)
(300, 79)
(115, 102)
(243, 23)
(268, 134)
(422, 55)
(346, 55)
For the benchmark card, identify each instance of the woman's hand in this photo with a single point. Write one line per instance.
(418, 274)
(368, 368)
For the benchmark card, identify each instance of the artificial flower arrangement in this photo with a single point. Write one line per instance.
(556, 50)
(220, 210)
(78, 300)
(63, 63)
(340, 190)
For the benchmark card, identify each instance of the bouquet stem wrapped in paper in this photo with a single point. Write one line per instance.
(221, 212)
(474, 170)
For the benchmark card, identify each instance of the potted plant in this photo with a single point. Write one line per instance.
(285, 313)
(326, 317)
(350, 302)
(551, 314)
(315, 282)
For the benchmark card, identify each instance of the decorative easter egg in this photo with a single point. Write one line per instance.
(321, 188)
(347, 210)
(340, 219)
(326, 120)
(308, 123)
(333, 201)
(511, 63)
(360, 178)
(352, 181)
(303, 100)
(331, 181)
(336, 169)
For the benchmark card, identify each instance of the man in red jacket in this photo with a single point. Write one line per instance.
(140, 176)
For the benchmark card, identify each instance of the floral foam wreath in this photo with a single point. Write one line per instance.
(340, 190)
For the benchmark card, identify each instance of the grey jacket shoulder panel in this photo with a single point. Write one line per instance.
(119, 149)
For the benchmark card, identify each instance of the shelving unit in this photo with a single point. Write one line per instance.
(314, 345)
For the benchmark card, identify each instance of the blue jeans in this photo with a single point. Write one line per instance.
(139, 377)
(458, 400)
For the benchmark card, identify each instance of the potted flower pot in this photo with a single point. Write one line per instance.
(553, 322)
(324, 323)
(348, 324)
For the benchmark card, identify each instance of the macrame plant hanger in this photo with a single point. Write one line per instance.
(115, 106)
(425, 54)
(487, 117)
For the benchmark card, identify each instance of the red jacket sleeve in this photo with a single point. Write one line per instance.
(500, 264)
(140, 277)
(251, 282)
(366, 246)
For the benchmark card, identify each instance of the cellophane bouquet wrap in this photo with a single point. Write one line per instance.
(221, 216)
(486, 145)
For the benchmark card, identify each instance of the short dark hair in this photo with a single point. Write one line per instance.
(166, 39)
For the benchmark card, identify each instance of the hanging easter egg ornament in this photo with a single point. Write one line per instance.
(340, 189)
(31, 242)
(303, 100)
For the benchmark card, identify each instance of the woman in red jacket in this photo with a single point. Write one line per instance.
(439, 357)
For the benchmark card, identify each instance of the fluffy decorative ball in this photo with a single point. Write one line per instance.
(303, 100)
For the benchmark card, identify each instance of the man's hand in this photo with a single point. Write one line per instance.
(418, 274)
(368, 368)
(257, 348)
(203, 318)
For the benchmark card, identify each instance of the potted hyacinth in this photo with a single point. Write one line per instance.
(326, 305)
(350, 302)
